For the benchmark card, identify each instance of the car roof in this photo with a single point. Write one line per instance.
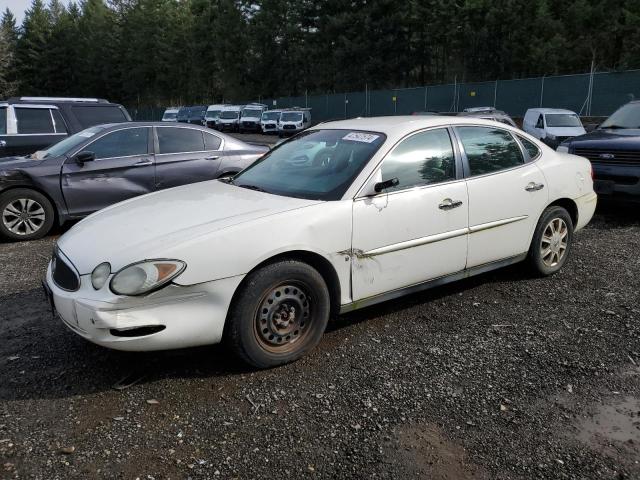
(551, 110)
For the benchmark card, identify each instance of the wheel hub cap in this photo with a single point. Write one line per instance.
(283, 316)
(553, 245)
(23, 216)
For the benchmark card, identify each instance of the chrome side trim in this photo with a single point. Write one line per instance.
(497, 223)
(436, 282)
(416, 242)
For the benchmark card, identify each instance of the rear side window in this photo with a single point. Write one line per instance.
(177, 140)
(530, 147)
(3, 120)
(122, 143)
(90, 115)
(34, 120)
(489, 150)
(211, 142)
(422, 159)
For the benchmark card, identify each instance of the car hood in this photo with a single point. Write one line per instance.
(148, 226)
(619, 139)
(7, 163)
(566, 131)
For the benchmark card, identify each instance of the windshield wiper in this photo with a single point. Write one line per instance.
(252, 187)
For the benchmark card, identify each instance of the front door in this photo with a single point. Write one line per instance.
(416, 230)
(123, 168)
(507, 194)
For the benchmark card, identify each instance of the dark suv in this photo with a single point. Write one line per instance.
(194, 114)
(29, 124)
(614, 151)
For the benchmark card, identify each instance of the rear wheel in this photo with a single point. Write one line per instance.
(552, 241)
(279, 314)
(25, 214)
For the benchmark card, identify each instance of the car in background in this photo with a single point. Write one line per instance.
(345, 215)
(614, 151)
(294, 120)
(106, 164)
(193, 114)
(229, 118)
(28, 124)
(250, 117)
(552, 125)
(269, 121)
(212, 114)
(170, 114)
(488, 113)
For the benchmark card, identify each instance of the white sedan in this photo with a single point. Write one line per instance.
(342, 216)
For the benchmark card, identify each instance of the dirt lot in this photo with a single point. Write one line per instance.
(499, 376)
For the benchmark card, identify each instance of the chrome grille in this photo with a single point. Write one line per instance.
(621, 157)
(63, 273)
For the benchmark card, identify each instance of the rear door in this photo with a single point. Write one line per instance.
(36, 127)
(186, 155)
(123, 168)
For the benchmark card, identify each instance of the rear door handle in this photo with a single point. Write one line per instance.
(143, 163)
(534, 187)
(448, 204)
(214, 157)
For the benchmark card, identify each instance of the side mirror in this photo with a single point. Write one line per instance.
(380, 186)
(84, 156)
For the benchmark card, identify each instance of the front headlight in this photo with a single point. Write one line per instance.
(146, 276)
(100, 275)
(562, 149)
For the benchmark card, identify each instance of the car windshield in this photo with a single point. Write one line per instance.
(317, 165)
(291, 117)
(197, 111)
(170, 115)
(270, 116)
(562, 120)
(627, 116)
(68, 143)
(229, 115)
(212, 114)
(250, 112)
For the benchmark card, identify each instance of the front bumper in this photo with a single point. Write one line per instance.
(180, 316)
(617, 182)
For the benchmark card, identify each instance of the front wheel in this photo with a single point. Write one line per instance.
(552, 241)
(279, 314)
(25, 214)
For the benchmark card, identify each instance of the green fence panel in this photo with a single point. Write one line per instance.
(356, 104)
(440, 98)
(476, 94)
(409, 100)
(319, 108)
(516, 96)
(570, 92)
(381, 103)
(612, 90)
(335, 106)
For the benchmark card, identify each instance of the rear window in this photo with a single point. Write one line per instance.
(34, 120)
(3, 120)
(89, 115)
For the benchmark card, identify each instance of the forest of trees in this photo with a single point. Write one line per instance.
(158, 52)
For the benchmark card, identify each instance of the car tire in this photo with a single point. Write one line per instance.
(552, 241)
(25, 214)
(278, 315)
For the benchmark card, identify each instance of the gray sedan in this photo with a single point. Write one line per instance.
(106, 164)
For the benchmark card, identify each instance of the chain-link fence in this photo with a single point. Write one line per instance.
(589, 94)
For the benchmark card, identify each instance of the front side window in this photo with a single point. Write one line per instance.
(489, 150)
(90, 115)
(121, 143)
(3, 120)
(317, 164)
(34, 120)
(540, 122)
(179, 140)
(422, 159)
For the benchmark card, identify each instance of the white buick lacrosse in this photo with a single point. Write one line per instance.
(341, 216)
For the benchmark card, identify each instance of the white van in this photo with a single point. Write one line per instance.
(170, 114)
(250, 117)
(229, 118)
(269, 121)
(212, 114)
(552, 125)
(294, 120)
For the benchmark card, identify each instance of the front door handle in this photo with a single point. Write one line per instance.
(214, 157)
(448, 204)
(143, 163)
(534, 187)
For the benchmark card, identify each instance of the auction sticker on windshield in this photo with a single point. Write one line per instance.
(361, 137)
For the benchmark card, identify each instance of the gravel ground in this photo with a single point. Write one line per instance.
(498, 376)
